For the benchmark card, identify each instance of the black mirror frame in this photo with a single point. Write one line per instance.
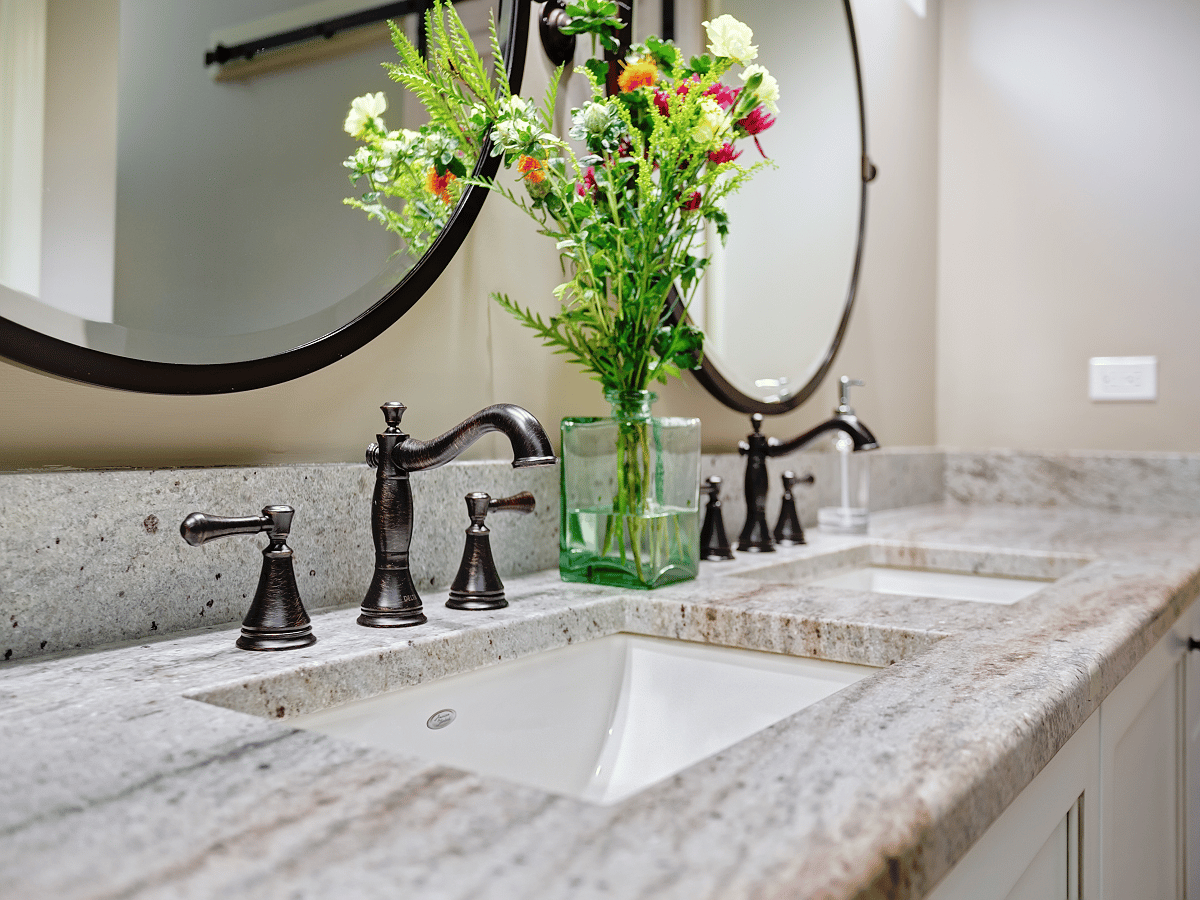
(31, 348)
(710, 376)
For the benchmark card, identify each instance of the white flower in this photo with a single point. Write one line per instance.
(768, 91)
(363, 110)
(714, 124)
(730, 38)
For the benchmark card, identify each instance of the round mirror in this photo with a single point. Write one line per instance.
(172, 216)
(777, 297)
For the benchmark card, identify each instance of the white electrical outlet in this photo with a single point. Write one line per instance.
(1123, 378)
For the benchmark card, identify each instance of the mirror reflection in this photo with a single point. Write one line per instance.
(191, 213)
(776, 294)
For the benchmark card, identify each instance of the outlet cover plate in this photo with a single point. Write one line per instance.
(1123, 378)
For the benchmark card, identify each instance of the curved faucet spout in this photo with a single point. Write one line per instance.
(392, 600)
(848, 424)
(530, 445)
(757, 448)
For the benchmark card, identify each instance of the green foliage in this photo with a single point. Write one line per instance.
(628, 218)
(595, 17)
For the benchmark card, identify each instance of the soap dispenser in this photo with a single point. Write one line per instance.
(850, 516)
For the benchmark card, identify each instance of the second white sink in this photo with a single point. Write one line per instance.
(599, 721)
(942, 585)
(974, 574)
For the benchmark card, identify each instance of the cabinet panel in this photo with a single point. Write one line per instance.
(1141, 744)
(1049, 875)
(1190, 627)
(1044, 846)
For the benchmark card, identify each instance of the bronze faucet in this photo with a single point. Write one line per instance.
(756, 535)
(392, 600)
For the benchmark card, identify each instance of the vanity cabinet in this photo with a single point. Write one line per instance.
(1046, 842)
(1109, 817)
(1142, 778)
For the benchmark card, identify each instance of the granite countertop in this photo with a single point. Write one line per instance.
(118, 783)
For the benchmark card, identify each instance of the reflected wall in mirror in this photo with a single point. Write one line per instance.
(191, 217)
(778, 296)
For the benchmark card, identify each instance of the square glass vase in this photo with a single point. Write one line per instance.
(630, 486)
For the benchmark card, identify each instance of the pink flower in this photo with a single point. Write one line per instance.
(724, 155)
(722, 94)
(686, 86)
(755, 124)
(692, 202)
(589, 183)
(661, 101)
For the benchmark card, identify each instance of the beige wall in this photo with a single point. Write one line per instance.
(1069, 220)
(455, 352)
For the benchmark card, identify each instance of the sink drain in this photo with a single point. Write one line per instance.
(441, 719)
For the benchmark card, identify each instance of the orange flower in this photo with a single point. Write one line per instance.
(640, 74)
(531, 169)
(439, 185)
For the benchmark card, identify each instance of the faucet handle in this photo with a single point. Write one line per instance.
(393, 412)
(523, 503)
(480, 504)
(843, 407)
(277, 619)
(788, 530)
(713, 542)
(790, 480)
(200, 527)
(477, 584)
(712, 487)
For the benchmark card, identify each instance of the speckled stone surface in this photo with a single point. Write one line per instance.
(120, 783)
(106, 545)
(1116, 482)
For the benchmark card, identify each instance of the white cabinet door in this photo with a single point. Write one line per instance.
(1141, 780)
(1044, 846)
(1191, 776)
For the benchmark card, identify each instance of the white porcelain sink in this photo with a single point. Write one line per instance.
(599, 721)
(943, 585)
(978, 575)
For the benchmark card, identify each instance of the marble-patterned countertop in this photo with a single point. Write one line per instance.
(119, 783)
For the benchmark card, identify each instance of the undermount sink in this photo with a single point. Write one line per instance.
(927, 583)
(917, 570)
(598, 721)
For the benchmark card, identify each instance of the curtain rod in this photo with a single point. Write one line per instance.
(326, 29)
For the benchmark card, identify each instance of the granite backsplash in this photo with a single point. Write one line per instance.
(95, 557)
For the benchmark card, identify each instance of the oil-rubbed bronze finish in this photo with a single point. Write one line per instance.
(477, 584)
(276, 620)
(713, 542)
(757, 447)
(756, 535)
(787, 529)
(392, 600)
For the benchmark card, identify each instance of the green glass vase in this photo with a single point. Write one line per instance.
(630, 496)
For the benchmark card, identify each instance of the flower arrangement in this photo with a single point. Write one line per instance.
(627, 195)
(628, 214)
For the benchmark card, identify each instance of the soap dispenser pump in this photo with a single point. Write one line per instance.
(854, 477)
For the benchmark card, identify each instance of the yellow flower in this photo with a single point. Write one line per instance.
(713, 126)
(638, 74)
